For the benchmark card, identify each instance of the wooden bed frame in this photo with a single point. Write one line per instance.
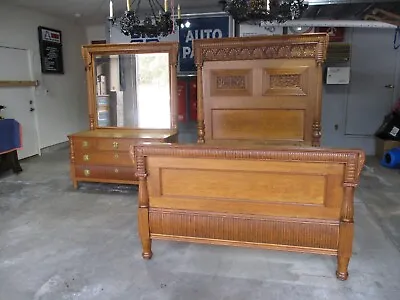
(261, 90)
(294, 199)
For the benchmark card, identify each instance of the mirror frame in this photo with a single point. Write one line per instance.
(89, 53)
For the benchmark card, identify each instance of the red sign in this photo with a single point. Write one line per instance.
(336, 34)
(193, 99)
(182, 88)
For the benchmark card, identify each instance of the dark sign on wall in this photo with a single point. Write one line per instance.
(199, 28)
(50, 45)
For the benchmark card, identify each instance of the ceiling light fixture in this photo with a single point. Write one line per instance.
(271, 11)
(159, 22)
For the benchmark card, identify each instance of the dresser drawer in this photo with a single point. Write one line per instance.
(85, 171)
(104, 158)
(82, 144)
(114, 144)
(121, 173)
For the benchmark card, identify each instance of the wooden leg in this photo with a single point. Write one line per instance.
(75, 184)
(146, 245)
(16, 167)
(342, 268)
(143, 209)
(143, 218)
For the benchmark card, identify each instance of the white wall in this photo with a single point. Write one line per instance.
(349, 107)
(95, 33)
(359, 108)
(63, 109)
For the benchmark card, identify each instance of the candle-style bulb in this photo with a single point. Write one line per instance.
(166, 5)
(111, 10)
(128, 5)
(179, 11)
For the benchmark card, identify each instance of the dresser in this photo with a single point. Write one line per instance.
(132, 96)
(103, 155)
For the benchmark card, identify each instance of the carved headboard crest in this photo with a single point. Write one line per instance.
(262, 47)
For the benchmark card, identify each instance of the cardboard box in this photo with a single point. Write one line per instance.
(381, 146)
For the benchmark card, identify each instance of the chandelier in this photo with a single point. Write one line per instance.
(264, 10)
(159, 22)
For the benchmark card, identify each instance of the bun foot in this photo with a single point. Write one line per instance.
(147, 255)
(342, 276)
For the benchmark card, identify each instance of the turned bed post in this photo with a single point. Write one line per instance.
(316, 126)
(143, 203)
(200, 109)
(346, 232)
(346, 225)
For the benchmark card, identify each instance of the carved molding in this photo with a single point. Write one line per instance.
(352, 159)
(264, 47)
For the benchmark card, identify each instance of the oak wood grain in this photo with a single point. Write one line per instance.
(273, 197)
(267, 89)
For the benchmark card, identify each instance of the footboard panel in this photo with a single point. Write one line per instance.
(293, 199)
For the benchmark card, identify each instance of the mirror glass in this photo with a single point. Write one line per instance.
(133, 90)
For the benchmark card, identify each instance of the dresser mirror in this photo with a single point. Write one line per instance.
(132, 85)
(132, 90)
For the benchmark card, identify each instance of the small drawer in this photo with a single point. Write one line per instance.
(104, 158)
(114, 144)
(121, 173)
(85, 171)
(81, 144)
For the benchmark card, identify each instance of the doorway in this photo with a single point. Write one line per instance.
(19, 101)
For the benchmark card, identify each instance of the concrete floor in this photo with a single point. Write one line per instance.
(59, 243)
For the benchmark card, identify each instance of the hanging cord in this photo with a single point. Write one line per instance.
(396, 35)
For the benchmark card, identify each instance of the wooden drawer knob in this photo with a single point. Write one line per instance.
(86, 172)
(86, 157)
(116, 170)
(115, 145)
(85, 144)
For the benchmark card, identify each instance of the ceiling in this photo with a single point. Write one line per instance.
(96, 11)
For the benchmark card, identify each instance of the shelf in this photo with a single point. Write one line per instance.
(11, 83)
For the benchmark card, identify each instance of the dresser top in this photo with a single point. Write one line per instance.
(126, 133)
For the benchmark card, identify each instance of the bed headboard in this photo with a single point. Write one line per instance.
(264, 89)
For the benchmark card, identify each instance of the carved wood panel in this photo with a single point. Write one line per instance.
(286, 82)
(231, 82)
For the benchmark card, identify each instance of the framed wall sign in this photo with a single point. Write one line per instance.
(50, 46)
(207, 27)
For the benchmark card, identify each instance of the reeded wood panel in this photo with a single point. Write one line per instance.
(260, 124)
(264, 232)
(295, 199)
(260, 73)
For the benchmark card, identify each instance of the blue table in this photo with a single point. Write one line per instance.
(10, 142)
